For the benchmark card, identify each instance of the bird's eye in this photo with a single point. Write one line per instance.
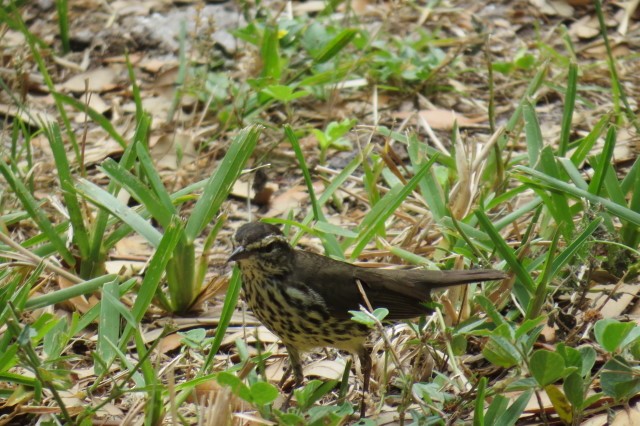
(270, 248)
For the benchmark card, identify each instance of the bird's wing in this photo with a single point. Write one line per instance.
(336, 283)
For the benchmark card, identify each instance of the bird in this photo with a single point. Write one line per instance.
(304, 298)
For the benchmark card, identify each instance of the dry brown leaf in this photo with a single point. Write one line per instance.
(326, 369)
(599, 420)
(276, 368)
(615, 308)
(243, 190)
(442, 119)
(83, 373)
(361, 6)
(629, 11)
(169, 343)
(78, 303)
(265, 336)
(307, 7)
(98, 80)
(97, 150)
(254, 420)
(133, 7)
(170, 151)
(292, 198)
(96, 103)
(585, 28)
(33, 117)
(110, 409)
(553, 7)
(548, 333)
(626, 417)
(599, 51)
(133, 247)
(212, 388)
(124, 268)
(154, 65)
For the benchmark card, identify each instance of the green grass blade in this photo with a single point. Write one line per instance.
(586, 144)
(329, 241)
(76, 217)
(154, 178)
(37, 215)
(576, 245)
(533, 133)
(154, 273)
(295, 144)
(630, 233)
(385, 208)
(506, 252)
(270, 54)
(230, 302)
(62, 7)
(220, 183)
(540, 297)
(604, 160)
(430, 187)
(615, 80)
(106, 201)
(108, 327)
(574, 174)
(558, 205)
(335, 46)
(65, 294)
(540, 179)
(139, 191)
(569, 106)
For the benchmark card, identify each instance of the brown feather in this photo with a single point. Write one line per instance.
(401, 291)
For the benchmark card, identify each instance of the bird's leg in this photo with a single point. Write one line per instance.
(365, 365)
(285, 376)
(296, 366)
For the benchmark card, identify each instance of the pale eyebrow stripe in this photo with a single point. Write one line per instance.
(267, 241)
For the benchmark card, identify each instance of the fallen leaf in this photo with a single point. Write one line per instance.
(442, 119)
(169, 343)
(615, 308)
(133, 247)
(585, 28)
(98, 80)
(626, 417)
(170, 151)
(32, 117)
(96, 103)
(78, 303)
(553, 7)
(326, 369)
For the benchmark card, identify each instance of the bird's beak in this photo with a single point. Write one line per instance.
(239, 253)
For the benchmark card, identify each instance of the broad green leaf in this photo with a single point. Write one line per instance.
(263, 393)
(619, 380)
(610, 333)
(574, 390)
(546, 367)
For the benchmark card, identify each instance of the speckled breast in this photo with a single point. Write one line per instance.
(298, 315)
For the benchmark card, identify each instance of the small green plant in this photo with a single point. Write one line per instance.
(522, 61)
(333, 137)
(185, 270)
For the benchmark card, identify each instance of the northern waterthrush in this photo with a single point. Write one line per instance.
(305, 298)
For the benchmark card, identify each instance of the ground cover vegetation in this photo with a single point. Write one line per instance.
(136, 137)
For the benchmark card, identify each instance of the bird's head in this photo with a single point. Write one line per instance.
(262, 243)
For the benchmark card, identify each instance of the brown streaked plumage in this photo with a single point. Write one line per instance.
(305, 298)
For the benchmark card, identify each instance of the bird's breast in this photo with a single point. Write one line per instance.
(297, 314)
